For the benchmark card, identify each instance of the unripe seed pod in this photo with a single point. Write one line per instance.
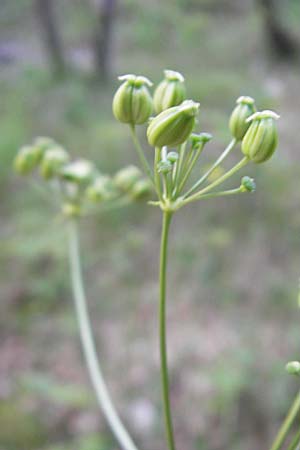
(293, 367)
(125, 178)
(170, 92)
(101, 189)
(248, 184)
(173, 126)
(261, 138)
(26, 160)
(80, 171)
(238, 124)
(53, 160)
(132, 102)
(141, 190)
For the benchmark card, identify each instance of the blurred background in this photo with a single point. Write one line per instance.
(234, 264)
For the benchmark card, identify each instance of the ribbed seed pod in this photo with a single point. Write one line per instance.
(125, 178)
(261, 139)
(26, 160)
(173, 126)
(80, 172)
(53, 161)
(170, 92)
(132, 102)
(238, 124)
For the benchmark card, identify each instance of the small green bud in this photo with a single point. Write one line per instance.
(53, 160)
(293, 367)
(125, 178)
(172, 157)
(199, 139)
(141, 190)
(261, 138)
(26, 160)
(248, 184)
(164, 166)
(170, 92)
(132, 102)
(80, 171)
(173, 126)
(101, 189)
(238, 124)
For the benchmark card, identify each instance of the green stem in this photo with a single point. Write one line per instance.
(179, 164)
(288, 422)
(88, 343)
(162, 330)
(189, 167)
(216, 164)
(141, 155)
(220, 180)
(221, 193)
(295, 442)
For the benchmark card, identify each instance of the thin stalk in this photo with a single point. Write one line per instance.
(221, 193)
(190, 166)
(288, 422)
(285, 427)
(88, 343)
(162, 330)
(294, 444)
(157, 182)
(220, 180)
(216, 164)
(179, 163)
(141, 155)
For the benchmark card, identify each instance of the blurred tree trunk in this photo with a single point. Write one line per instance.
(50, 35)
(283, 44)
(105, 11)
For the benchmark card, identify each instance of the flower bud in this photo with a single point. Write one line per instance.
(261, 138)
(101, 189)
(293, 367)
(248, 184)
(170, 92)
(125, 178)
(26, 160)
(165, 166)
(173, 126)
(53, 160)
(80, 171)
(141, 190)
(197, 140)
(172, 157)
(238, 124)
(132, 102)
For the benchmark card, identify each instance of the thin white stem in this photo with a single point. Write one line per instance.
(88, 343)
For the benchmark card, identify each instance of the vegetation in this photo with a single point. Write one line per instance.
(245, 252)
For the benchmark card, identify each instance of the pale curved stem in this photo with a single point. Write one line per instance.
(88, 343)
(288, 422)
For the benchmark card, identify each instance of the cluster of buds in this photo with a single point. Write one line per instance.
(171, 132)
(79, 182)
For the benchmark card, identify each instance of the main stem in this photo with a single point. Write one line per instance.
(88, 343)
(288, 422)
(162, 330)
